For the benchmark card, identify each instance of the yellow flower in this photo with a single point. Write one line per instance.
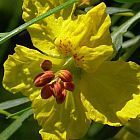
(76, 50)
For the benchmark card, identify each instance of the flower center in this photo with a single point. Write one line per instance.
(54, 84)
(66, 48)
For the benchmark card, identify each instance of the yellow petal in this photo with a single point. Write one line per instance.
(87, 38)
(34, 8)
(21, 68)
(91, 29)
(90, 59)
(56, 135)
(126, 113)
(61, 121)
(44, 32)
(109, 89)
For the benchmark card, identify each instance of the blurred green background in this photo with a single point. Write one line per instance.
(10, 18)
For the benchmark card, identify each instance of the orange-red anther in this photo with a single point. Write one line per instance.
(69, 86)
(46, 91)
(65, 76)
(62, 97)
(46, 65)
(57, 88)
(43, 78)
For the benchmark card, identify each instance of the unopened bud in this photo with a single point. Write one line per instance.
(43, 78)
(46, 65)
(69, 86)
(65, 75)
(46, 92)
(61, 98)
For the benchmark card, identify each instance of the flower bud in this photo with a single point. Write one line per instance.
(46, 65)
(43, 78)
(69, 86)
(65, 75)
(46, 91)
(61, 98)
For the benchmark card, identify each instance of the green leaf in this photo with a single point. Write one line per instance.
(115, 10)
(2, 34)
(112, 10)
(128, 34)
(34, 20)
(129, 43)
(130, 46)
(13, 103)
(117, 35)
(15, 125)
(3, 112)
(17, 113)
(126, 1)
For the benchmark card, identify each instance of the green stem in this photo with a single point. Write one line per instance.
(68, 63)
(34, 20)
(7, 114)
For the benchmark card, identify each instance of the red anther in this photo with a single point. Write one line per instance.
(37, 80)
(46, 65)
(46, 91)
(38, 76)
(43, 78)
(62, 97)
(57, 88)
(69, 86)
(65, 75)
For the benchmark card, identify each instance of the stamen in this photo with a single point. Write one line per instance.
(58, 88)
(54, 84)
(43, 78)
(46, 91)
(62, 97)
(69, 86)
(46, 65)
(65, 75)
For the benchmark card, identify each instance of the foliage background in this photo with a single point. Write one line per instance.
(10, 18)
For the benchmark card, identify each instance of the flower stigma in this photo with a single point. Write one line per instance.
(52, 83)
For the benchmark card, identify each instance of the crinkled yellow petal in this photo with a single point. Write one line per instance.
(91, 29)
(87, 38)
(90, 59)
(130, 110)
(109, 90)
(34, 8)
(61, 121)
(21, 68)
(56, 135)
(44, 32)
